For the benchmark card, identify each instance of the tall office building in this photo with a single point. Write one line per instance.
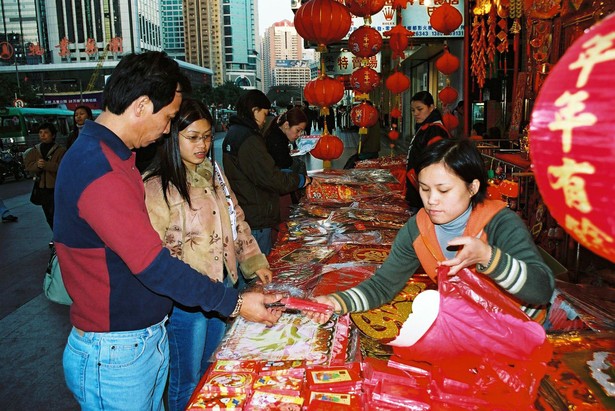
(241, 55)
(172, 23)
(203, 36)
(19, 28)
(282, 44)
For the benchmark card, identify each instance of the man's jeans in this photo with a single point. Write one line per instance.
(124, 370)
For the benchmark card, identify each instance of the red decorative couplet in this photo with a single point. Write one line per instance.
(572, 140)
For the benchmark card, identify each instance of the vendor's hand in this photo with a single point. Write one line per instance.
(265, 275)
(40, 163)
(322, 318)
(472, 251)
(253, 308)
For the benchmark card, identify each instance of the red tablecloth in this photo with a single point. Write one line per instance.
(515, 159)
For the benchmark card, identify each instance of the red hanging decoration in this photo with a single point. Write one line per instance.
(451, 122)
(393, 134)
(364, 115)
(448, 95)
(397, 82)
(571, 144)
(364, 42)
(364, 79)
(328, 148)
(395, 112)
(447, 63)
(446, 19)
(322, 22)
(365, 8)
(400, 3)
(399, 37)
(323, 91)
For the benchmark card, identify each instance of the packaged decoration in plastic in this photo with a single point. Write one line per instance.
(217, 402)
(346, 378)
(271, 401)
(327, 401)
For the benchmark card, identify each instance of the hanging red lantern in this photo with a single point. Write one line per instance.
(365, 42)
(397, 82)
(400, 3)
(364, 80)
(322, 22)
(448, 95)
(328, 148)
(446, 19)
(571, 141)
(323, 91)
(447, 63)
(399, 37)
(393, 134)
(364, 115)
(450, 121)
(364, 8)
(395, 112)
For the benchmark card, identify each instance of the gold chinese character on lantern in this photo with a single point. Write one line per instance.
(597, 50)
(571, 116)
(566, 178)
(589, 234)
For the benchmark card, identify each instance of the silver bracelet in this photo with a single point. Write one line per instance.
(235, 312)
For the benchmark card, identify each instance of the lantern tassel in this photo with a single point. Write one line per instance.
(359, 148)
(362, 130)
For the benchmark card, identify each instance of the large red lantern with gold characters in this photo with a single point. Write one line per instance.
(322, 22)
(364, 80)
(365, 42)
(572, 143)
(364, 115)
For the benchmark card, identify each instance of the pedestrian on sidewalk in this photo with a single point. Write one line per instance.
(7, 217)
(43, 160)
(122, 280)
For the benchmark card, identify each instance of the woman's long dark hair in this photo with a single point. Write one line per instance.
(247, 102)
(169, 165)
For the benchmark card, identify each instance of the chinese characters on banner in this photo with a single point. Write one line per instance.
(572, 142)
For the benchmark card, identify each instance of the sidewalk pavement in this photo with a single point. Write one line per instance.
(33, 330)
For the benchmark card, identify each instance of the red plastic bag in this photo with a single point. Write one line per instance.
(486, 354)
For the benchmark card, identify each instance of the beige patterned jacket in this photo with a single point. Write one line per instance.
(203, 236)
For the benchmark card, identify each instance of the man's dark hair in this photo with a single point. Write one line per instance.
(50, 127)
(152, 74)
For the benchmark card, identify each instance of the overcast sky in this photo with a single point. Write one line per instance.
(272, 11)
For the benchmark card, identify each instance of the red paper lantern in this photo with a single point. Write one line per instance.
(448, 95)
(446, 19)
(400, 3)
(364, 42)
(328, 148)
(322, 22)
(364, 80)
(364, 8)
(447, 63)
(398, 40)
(393, 134)
(450, 121)
(395, 112)
(571, 141)
(323, 91)
(397, 82)
(364, 115)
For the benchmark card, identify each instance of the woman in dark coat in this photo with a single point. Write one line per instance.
(428, 128)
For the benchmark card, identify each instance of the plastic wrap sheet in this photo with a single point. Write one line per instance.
(594, 305)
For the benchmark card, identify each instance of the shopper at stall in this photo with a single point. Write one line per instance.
(43, 161)
(428, 128)
(251, 170)
(197, 217)
(458, 228)
(114, 266)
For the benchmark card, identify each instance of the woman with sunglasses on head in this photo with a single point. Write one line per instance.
(195, 212)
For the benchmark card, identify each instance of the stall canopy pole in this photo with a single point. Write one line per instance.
(466, 70)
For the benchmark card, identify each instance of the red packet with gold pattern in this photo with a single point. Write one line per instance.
(229, 382)
(327, 401)
(346, 378)
(217, 402)
(282, 384)
(268, 401)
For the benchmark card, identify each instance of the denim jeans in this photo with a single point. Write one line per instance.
(124, 370)
(194, 335)
(263, 238)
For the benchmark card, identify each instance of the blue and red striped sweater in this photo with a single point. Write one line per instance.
(114, 266)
